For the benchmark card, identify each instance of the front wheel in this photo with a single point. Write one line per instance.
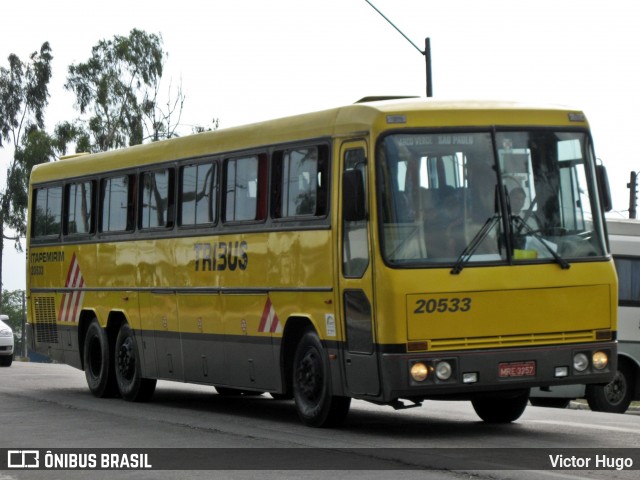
(615, 396)
(6, 361)
(131, 385)
(315, 403)
(501, 409)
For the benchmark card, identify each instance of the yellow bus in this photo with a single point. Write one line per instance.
(391, 251)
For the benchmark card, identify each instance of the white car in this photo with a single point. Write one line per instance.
(6, 342)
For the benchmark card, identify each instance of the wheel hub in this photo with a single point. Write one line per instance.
(615, 391)
(309, 376)
(126, 360)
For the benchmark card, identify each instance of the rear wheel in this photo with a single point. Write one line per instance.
(128, 372)
(615, 396)
(315, 403)
(502, 409)
(98, 366)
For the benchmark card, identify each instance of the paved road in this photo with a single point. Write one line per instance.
(46, 406)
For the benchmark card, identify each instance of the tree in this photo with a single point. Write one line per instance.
(118, 89)
(24, 96)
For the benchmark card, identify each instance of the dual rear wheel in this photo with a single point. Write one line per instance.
(113, 367)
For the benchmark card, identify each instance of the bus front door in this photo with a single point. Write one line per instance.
(356, 279)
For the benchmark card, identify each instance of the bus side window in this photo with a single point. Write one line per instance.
(47, 212)
(156, 202)
(245, 188)
(299, 182)
(117, 195)
(198, 197)
(79, 215)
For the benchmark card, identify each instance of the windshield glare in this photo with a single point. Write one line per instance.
(509, 196)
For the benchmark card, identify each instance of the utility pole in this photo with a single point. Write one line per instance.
(633, 194)
(426, 52)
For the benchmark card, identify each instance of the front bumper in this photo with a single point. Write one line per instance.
(545, 366)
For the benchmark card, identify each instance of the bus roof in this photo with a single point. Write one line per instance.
(353, 119)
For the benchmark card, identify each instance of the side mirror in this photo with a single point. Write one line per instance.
(603, 188)
(353, 196)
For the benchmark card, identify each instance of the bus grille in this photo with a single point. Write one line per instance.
(512, 340)
(45, 325)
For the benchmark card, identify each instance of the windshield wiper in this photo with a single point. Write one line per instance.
(475, 242)
(523, 226)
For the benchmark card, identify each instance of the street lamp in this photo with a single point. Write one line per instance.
(426, 52)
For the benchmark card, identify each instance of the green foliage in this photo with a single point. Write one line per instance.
(23, 97)
(117, 89)
(24, 94)
(36, 147)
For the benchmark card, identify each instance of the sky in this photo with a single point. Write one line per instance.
(243, 61)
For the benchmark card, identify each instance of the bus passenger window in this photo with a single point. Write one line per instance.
(156, 199)
(48, 212)
(198, 194)
(244, 189)
(300, 178)
(117, 204)
(79, 215)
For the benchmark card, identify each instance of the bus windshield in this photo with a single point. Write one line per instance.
(469, 197)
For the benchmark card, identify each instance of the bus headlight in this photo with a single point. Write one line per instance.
(443, 370)
(419, 372)
(600, 360)
(580, 362)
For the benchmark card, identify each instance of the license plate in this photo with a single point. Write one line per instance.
(517, 369)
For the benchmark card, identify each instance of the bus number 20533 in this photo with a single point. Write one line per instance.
(442, 305)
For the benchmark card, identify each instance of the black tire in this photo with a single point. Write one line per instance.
(550, 402)
(502, 409)
(128, 371)
(6, 360)
(98, 365)
(615, 396)
(312, 391)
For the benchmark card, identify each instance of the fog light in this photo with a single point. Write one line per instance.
(562, 372)
(600, 360)
(470, 377)
(443, 371)
(580, 362)
(419, 372)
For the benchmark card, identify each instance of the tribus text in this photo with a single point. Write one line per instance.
(221, 256)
